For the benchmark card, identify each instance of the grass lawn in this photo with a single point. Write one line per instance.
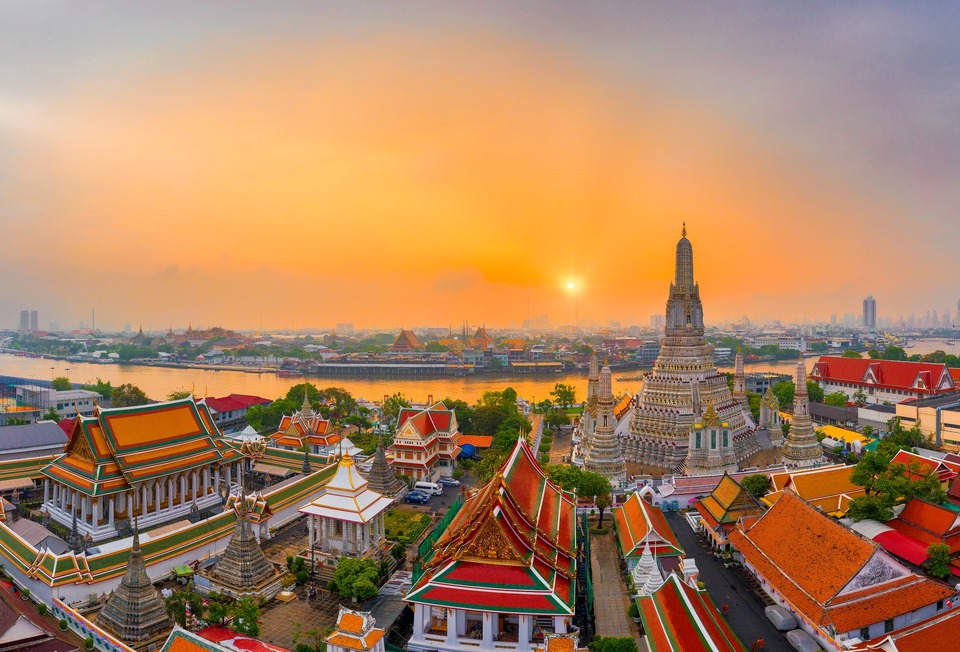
(405, 525)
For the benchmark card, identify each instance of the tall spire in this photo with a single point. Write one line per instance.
(381, 476)
(740, 382)
(604, 455)
(243, 565)
(684, 263)
(801, 448)
(134, 611)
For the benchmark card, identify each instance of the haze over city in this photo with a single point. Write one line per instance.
(425, 164)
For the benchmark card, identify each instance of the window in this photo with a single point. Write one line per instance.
(888, 626)
(713, 439)
(725, 434)
(939, 605)
(699, 440)
(864, 633)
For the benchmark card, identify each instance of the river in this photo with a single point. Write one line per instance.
(157, 382)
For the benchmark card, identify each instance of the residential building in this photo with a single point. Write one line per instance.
(230, 412)
(870, 313)
(66, 403)
(840, 586)
(937, 418)
(882, 380)
(426, 443)
(519, 531)
(782, 342)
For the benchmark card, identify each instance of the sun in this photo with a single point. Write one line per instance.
(571, 285)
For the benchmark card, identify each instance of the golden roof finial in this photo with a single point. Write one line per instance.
(683, 231)
(711, 418)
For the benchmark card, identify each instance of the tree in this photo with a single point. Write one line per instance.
(894, 353)
(873, 354)
(566, 476)
(104, 389)
(836, 399)
(757, 484)
(850, 353)
(869, 507)
(612, 644)
(51, 415)
(436, 347)
(556, 418)
(860, 398)
(180, 602)
(487, 419)
(868, 431)
(784, 392)
(391, 409)
(246, 616)
(127, 395)
(938, 562)
(564, 395)
(356, 578)
(61, 384)
(218, 608)
(490, 463)
(595, 486)
(178, 394)
(814, 391)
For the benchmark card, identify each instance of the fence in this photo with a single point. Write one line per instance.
(426, 546)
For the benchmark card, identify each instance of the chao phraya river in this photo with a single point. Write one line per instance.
(157, 382)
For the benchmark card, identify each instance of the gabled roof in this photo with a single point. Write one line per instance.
(945, 472)
(406, 341)
(32, 435)
(727, 503)
(640, 524)
(347, 497)
(229, 639)
(925, 636)
(679, 618)
(435, 419)
(827, 572)
(917, 377)
(927, 523)
(118, 447)
(355, 630)
(511, 548)
(829, 488)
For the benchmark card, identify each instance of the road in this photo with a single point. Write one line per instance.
(610, 599)
(728, 586)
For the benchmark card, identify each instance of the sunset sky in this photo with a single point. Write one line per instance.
(423, 163)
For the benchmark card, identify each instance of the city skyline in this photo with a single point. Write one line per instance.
(248, 167)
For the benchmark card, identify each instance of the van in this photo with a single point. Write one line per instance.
(782, 619)
(429, 488)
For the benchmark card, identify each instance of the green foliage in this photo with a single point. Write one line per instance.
(850, 353)
(753, 400)
(218, 608)
(51, 415)
(487, 419)
(88, 643)
(612, 644)
(356, 578)
(457, 473)
(557, 418)
(784, 391)
(860, 398)
(398, 552)
(61, 384)
(757, 484)
(246, 616)
(868, 431)
(63, 624)
(178, 394)
(633, 611)
(564, 395)
(587, 484)
(566, 476)
(298, 563)
(814, 391)
(42, 608)
(464, 413)
(128, 395)
(289, 562)
(404, 525)
(302, 577)
(436, 347)
(178, 602)
(490, 463)
(938, 564)
(836, 399)
(391, 409)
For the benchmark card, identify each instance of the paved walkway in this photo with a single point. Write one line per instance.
(610, 600)
(560, 448)
(28, 609)
(728, 585)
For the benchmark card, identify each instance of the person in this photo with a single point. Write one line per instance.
(760, 644)
(724, 608)
(753, 646)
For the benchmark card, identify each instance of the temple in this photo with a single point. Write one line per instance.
(306, 430)
(502, 575)
(356, 630)
(426, 443)
(135, 612)
(406, 342)
(800, 448)
(347, 518)
(770, 416)
(155, 462)
(604, 455)
(710, 448)
(682, 383)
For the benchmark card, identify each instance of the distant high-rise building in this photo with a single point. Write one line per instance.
(34, 320)
(24, 320)
(345, 328)
(870, 313)
(833, 320)
(657, 321)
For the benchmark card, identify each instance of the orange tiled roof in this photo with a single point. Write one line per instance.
(927, 635)
(479, 441)
(855, 589)
(830, 481)
(350, 623)
(355, 642)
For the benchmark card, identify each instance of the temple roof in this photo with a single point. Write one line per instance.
(677, 612)
(406, 341)
(304, 426)
(640, 524)
(347, 497)
(727, 503)
(119, 447)
(828, 572)
(919, 377)
(511, 548)
(355, 630)
(436, 419)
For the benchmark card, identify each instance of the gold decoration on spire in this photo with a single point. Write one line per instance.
(683, 231)
(711, 418)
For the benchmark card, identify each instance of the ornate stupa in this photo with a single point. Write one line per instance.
(243, 568)
(740, 382)
(588, 422)
(683, 379)
(801, 449)
(604, 455)
(382, 479)
(770, 416)
(135, 612)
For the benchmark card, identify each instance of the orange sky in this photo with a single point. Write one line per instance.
(387, 178)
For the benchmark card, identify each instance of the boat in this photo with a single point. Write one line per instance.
(288, 373)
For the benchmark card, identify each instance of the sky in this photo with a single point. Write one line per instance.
(292, 165)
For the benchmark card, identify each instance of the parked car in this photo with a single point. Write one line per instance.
(417, 497)
(781, 618)
(451, 482)
(802, 642)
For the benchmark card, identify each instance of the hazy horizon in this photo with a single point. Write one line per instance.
(293, 166)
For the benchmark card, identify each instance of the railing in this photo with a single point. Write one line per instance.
(426, 546)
